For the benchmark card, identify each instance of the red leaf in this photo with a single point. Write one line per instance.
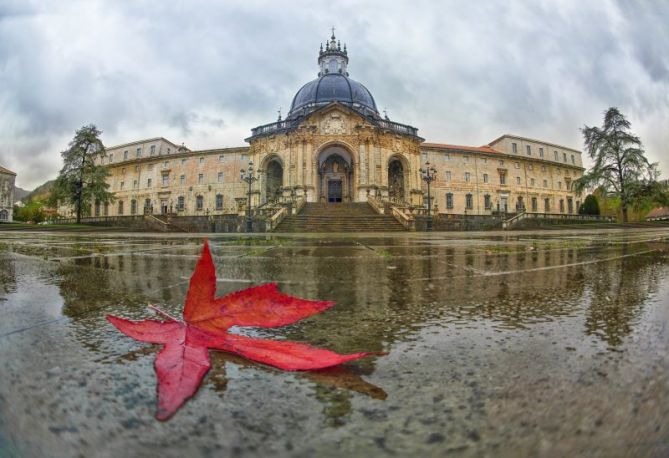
(267, 307)
(290, 356)
(184, 359)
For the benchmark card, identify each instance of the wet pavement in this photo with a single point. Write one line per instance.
(500, 344)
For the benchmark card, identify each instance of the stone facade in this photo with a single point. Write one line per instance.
(7, 179)
(334, 146)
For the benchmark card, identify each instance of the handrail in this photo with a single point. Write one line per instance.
(301, 202)
(276, 218)
(401, 217)
(375, 204)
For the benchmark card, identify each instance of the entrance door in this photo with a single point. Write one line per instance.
(163, 207)
(334, 190)
(503, 204)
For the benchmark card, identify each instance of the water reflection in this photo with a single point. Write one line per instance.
(384, 294)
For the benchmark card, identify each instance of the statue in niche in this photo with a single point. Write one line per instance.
(335, 167)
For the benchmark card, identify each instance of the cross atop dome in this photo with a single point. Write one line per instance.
(333, 59)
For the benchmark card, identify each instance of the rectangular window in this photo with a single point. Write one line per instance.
(487, 202)
(556, 155)
(529, 150)
(564, 156)
(449, 201)
(545, 183)
(201, 160)
(547, 205)
(153, 150)
(219, 202)
(534, 204)
(561, 206)
(220, 177)
(502, 178)
(514, 147)
(125, 155)
(120, 207)
(531, 181)
(467, 176)
(181, 203)
(541, 153)
(148, 183)
(166, 179)
(134, 184)
(485, 177)
(122, 184)
(200, 179)
(199, 203)
(572, 159)
(517, 180)
(448, 175)
(111, 158)
(221, 158)
(469, 202)
(139, 152)
(182, 180)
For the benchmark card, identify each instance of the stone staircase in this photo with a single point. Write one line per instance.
(339, 217)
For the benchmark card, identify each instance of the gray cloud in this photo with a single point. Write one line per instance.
(205, 74)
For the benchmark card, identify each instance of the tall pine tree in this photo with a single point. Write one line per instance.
(81, 181)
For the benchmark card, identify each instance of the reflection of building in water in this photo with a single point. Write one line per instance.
(7, 275)
(335, 146)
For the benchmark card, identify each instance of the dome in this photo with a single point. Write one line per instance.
(333, 87)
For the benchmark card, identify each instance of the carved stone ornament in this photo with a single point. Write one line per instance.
(333, 125)
(397, 145)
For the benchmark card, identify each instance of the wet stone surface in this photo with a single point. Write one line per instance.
(530, 343)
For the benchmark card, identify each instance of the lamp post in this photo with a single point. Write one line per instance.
(249, 175)
(428, 175)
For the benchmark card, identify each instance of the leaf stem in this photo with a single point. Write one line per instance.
(165, 314)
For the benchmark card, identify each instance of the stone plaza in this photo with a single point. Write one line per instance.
(550, 343)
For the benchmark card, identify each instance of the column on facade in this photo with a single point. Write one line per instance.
(300, 163)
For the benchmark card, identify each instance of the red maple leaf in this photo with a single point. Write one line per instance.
(184, 359)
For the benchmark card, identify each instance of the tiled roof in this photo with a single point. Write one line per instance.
(658, 212)
(4, 170)
(478, 149)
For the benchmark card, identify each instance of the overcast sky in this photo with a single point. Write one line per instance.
(204, 73)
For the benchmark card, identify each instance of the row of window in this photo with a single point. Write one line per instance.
(520, 203)
(165, 180)
(148, 206)
(502, 179)
(138, 154)
(556, 155)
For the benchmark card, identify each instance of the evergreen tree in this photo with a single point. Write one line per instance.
(81, 181)
(590, 206)
(620, 167)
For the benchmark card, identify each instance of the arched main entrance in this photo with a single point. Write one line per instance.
(273, 180)
(335, 175)
(396, 180)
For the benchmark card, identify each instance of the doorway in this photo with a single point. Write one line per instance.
(334, 191)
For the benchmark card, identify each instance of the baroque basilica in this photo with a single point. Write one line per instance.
(334, 146)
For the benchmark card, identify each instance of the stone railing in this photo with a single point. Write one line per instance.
(276, 219)
(397, 127)
(376, 205)
(404, 219)
(301, 202)
(556, 216)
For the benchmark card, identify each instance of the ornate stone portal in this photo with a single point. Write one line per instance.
(335, 144)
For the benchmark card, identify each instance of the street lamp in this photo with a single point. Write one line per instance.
(249, 175)
(428, 175)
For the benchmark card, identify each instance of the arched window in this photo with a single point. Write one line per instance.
(133, 207)
(199, 203)
(219, 201)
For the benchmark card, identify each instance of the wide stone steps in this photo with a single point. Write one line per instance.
(339, 217)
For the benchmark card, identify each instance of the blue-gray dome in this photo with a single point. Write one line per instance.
(333, 87)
